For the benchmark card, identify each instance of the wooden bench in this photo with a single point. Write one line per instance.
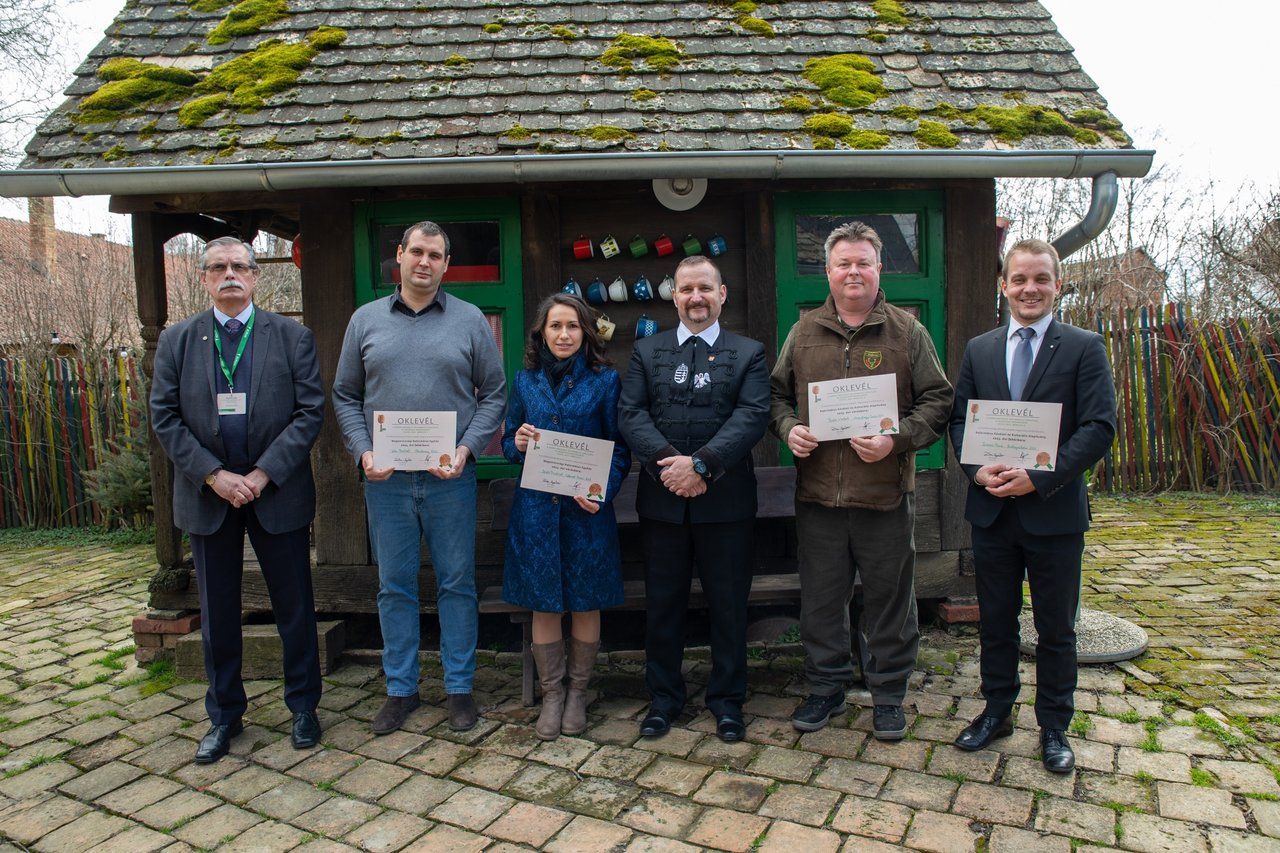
(775, 491)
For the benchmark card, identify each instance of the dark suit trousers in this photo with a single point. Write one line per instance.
(722, 553)
(286, 566)
(1002, 552)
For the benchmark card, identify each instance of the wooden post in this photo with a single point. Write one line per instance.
(971, 253)
(328, 301)
(149, 235)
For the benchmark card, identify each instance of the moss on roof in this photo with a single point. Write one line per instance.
(660, 54)
(933, 134)
(890, 12)
(248, 17)
(131, 85)
(847, 79)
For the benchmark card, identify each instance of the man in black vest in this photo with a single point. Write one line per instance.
(694, 402)
(236, 403)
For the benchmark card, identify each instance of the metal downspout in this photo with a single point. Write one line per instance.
(1106, 197)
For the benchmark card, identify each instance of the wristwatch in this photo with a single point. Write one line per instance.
(212, 478)
(700, 468)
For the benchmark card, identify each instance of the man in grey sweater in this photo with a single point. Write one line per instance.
(421, 349)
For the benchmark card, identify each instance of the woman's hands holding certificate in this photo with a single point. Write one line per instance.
(524, 435)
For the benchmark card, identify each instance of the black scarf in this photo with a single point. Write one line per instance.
(555, 368)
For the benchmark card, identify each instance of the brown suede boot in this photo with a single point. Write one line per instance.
(549, 658)
(582, 659)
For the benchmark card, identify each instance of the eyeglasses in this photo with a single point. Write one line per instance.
(238, 269)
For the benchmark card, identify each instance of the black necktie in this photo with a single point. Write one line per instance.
(1021, 363)
(233, 326)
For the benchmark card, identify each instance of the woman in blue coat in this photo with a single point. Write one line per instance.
(562, 554)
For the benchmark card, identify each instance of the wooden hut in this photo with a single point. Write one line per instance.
(525, 128)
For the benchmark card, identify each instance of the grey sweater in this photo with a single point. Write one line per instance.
(439, 361)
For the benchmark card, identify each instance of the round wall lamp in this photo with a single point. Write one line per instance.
(679, 193)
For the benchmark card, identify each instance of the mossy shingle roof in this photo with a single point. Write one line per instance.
(335, 80)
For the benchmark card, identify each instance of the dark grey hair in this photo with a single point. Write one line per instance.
(852, 232)
(228, 241)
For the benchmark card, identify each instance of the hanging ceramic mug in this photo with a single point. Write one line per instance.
(583, 248)
(667, 289)
(664, 245)
(642, 290)
(597, 293)
(639, 248)
(646, 327)
(572, 288)
(691, 245)
(609, 246)
(618, 290)
(716, 246)
(605, 328)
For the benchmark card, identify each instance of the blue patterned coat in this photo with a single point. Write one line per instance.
(559, 557)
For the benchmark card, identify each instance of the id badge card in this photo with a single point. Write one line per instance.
(232, 404)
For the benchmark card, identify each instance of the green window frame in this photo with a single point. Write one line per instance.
(502, 297)
(923, 290)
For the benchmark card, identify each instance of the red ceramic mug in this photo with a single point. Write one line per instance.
(664, 246)
(583, 248)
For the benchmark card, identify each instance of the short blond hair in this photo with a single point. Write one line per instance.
(1033, 247)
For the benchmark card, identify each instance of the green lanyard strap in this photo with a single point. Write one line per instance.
(244, 339)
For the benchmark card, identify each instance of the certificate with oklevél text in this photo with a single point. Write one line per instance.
(566, 464)
(1020, 434)
(414, 441)
(859, 406)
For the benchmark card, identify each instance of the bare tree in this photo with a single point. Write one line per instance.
(32, 68)
(1150, 239)
(1244, 248)
(279, 284)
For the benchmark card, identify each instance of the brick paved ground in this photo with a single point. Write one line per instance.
(1177, 751)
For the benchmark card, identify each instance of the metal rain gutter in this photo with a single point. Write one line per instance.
(1102, 206)
(760, 165)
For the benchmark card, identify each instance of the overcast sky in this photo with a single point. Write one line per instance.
(1193, 80)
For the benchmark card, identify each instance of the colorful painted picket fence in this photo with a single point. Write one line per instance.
(57, 418)
(1198, 403)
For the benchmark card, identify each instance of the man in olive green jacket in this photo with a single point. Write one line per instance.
(855, 503)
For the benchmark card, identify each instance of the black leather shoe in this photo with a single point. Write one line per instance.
(655, 725)
(730, 728)
(984, 729)
(1055, 752)
(217, 742)
(306, 730)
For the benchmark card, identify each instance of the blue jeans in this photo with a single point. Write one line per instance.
(402, 510)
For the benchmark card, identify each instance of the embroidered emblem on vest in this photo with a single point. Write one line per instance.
(701, 380)
(872, 359)
(682, 373)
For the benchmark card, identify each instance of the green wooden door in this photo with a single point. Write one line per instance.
(910, 225)
(484, 269)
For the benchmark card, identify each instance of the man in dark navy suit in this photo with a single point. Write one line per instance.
(1032, 521)
(236, 403)
(694, 402)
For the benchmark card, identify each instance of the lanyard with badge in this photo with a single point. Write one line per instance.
(232, 403)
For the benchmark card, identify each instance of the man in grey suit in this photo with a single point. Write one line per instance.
(236, 403)
(1032, 520)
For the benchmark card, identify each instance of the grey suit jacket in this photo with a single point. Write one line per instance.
(1072, 369)
(286, 408)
